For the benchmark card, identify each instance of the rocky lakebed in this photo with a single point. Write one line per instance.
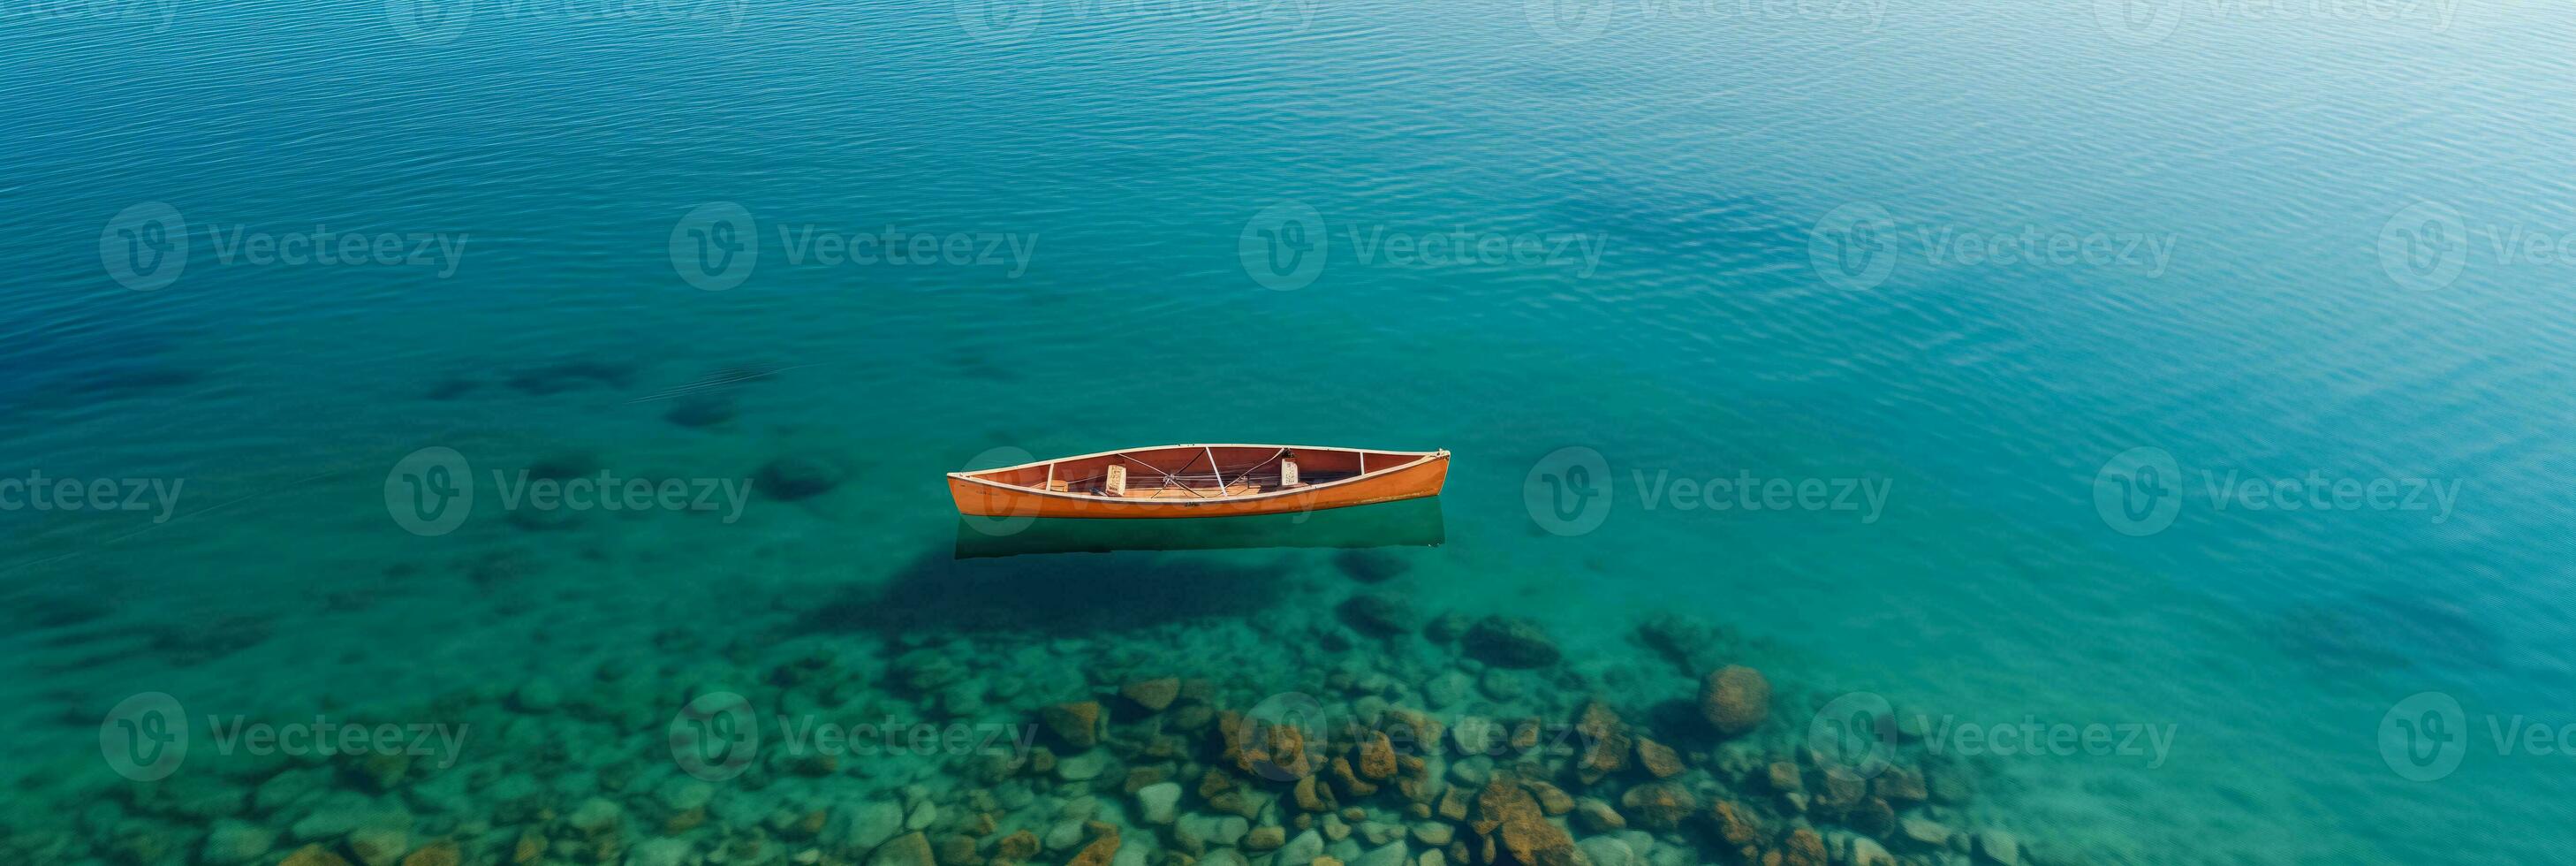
(1351, 726)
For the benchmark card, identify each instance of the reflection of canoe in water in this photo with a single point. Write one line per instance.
(1199, 481)
(1415, 523)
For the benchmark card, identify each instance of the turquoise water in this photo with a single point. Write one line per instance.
(1967, 256)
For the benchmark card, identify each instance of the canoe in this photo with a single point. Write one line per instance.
(1199, 481)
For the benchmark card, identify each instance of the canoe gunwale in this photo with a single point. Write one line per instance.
(1419, 458)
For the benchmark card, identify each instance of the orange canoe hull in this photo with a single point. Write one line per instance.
(990, 493)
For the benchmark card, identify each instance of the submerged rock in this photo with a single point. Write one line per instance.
(1077, 723)
(868, 824)
(565, 466)
(1658, 759)
(681, 795)
(1785, 778)
(1737, 825)
(331, 820)
(1998, 847)
(568, 375)
(657, 852)
(1508, 816)
(1866, 851)
(1160, 802)
(793, 478)
(445, 852)
(236, 842)
(1227, 830)
(1552, 800)
(1899, 785)
(1270, 751)
(1735, 699)
(1951, 787)
(1377, 757)
(955, 850)
(545, 519)
(1447, 689)
(928, 669)
(1063, 836)
(313, 855)
(1803, 848)
(1925, 831)
(909, 849)
(595, 816)
(1609, 851)
(1153, 695)
(205, 639)
(1510, 642)
(1597, 816)
(1605, 742)
(702, 410)
(379, 846)
(1377, 614)
(1690, 643)
(1083, 767)
(1477, 735)
(1842, 789)
(1659, 805)
(1017, 847)
(1389, 854)
(1369, 566)
(1301, 850)
(1872, 817)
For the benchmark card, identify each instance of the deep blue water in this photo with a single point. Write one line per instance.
(1970, 255)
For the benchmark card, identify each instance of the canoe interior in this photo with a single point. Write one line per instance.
(1188, 472)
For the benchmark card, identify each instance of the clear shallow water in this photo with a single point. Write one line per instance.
(1703, 151)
